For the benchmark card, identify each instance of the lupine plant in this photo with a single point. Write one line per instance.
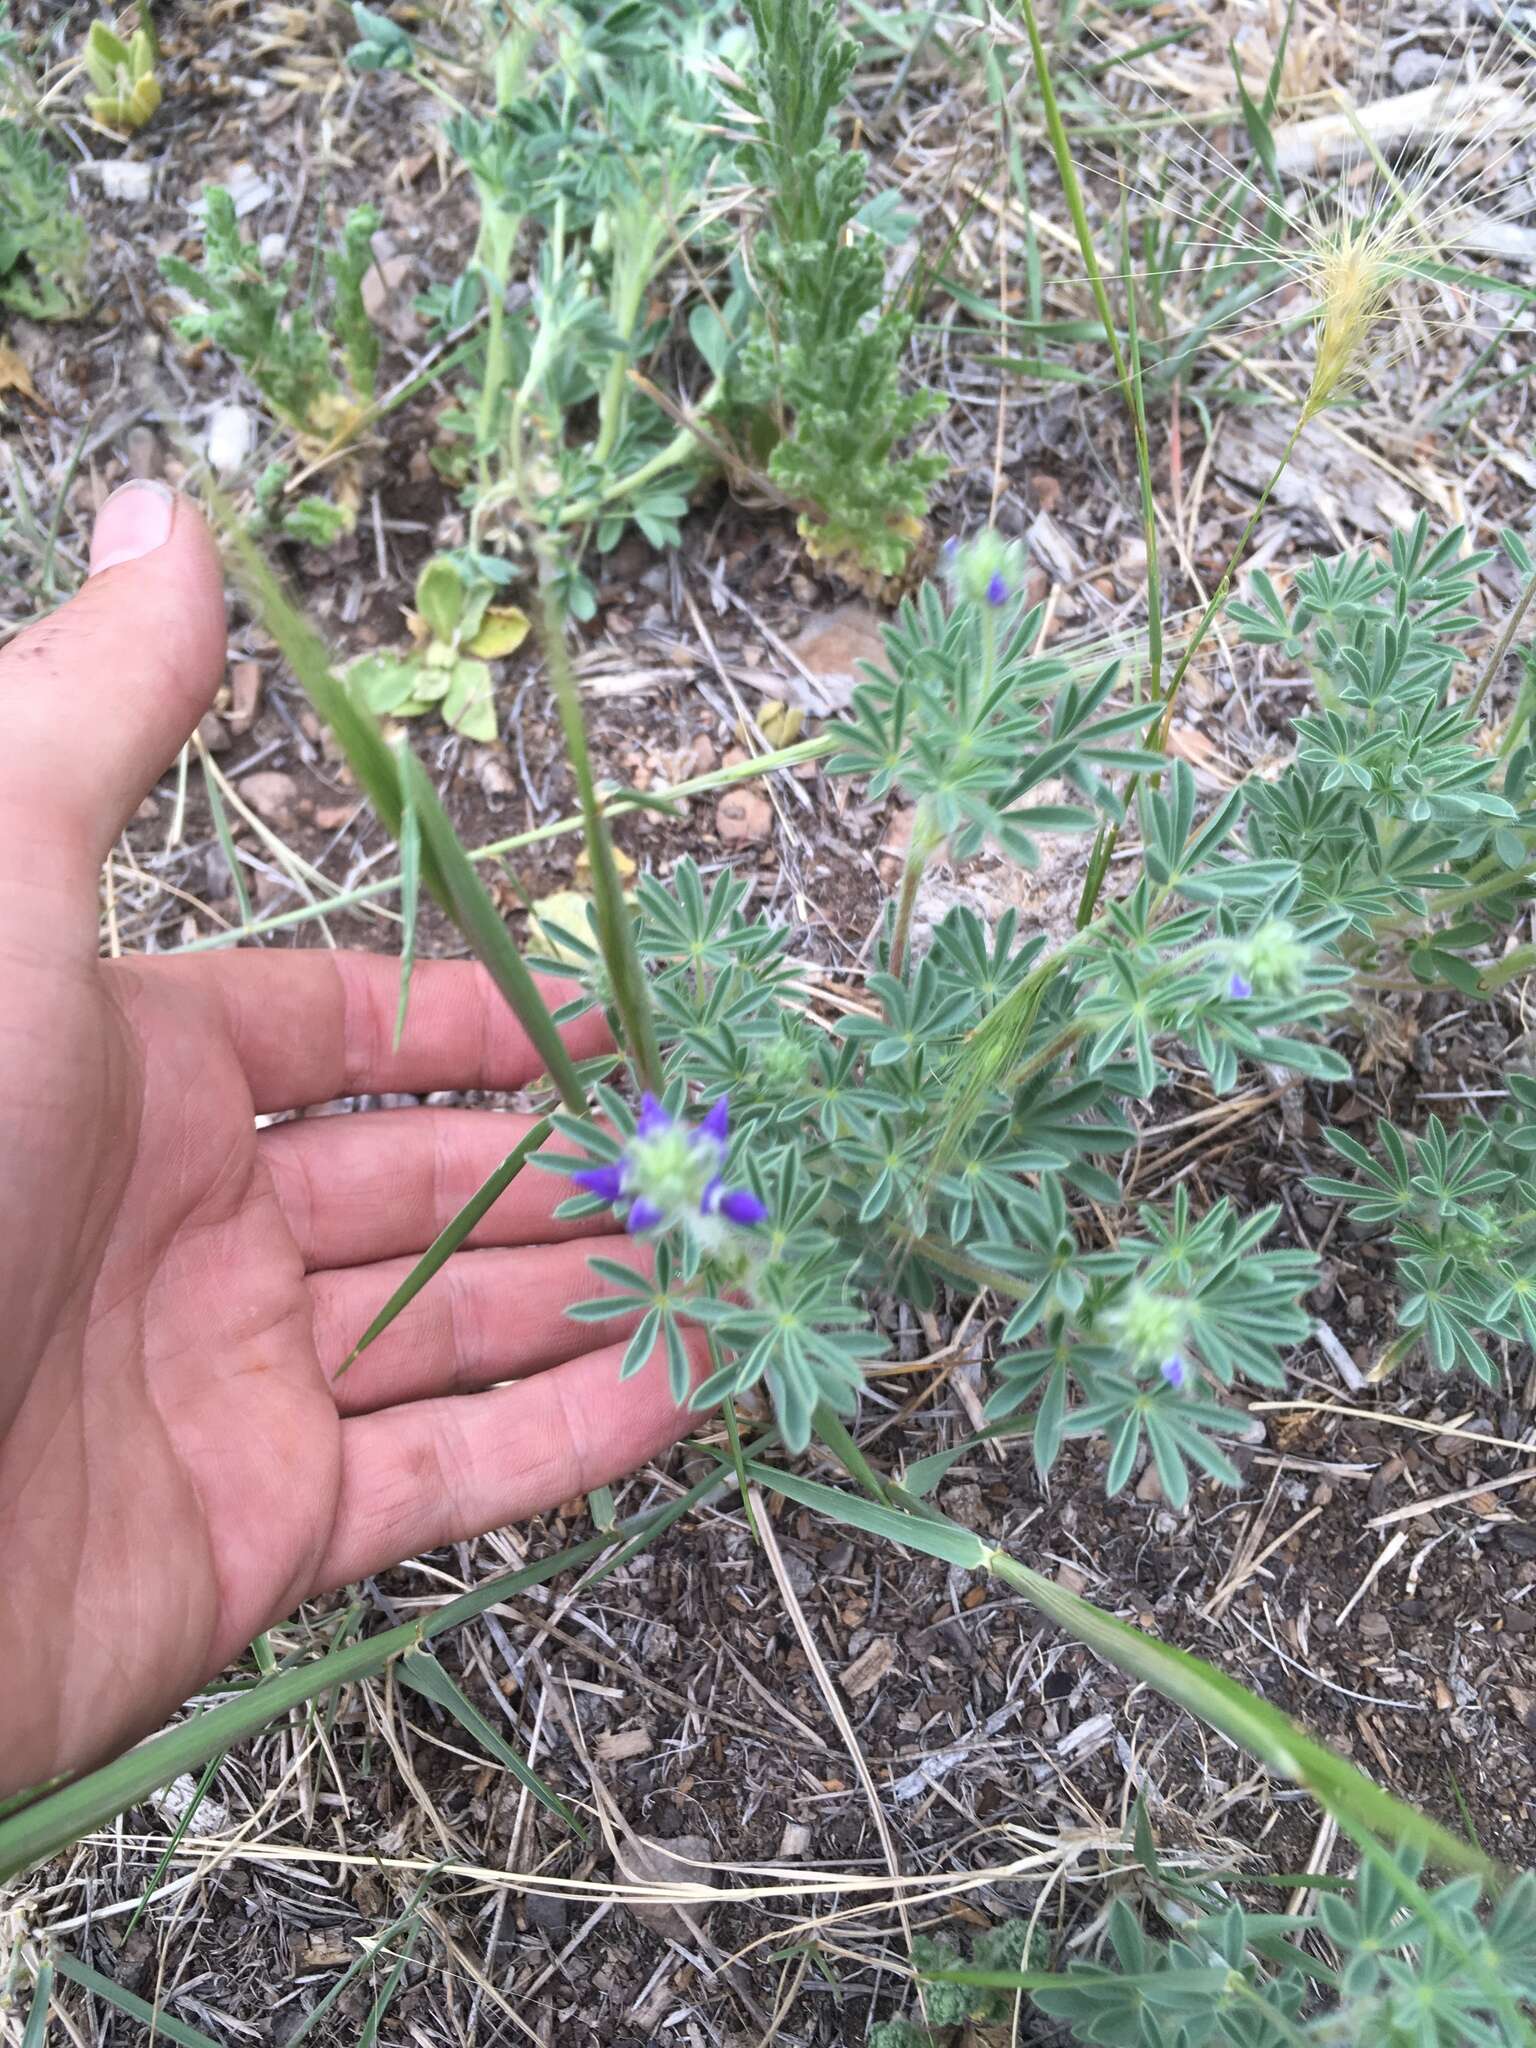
(1387, 1957)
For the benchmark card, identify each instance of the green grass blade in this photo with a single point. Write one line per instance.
(353, 1971)
(449, 1238)
(445, 866)
(1242, 1716)
(174, 1843)
(225, 837)
(422, 1673)
(464, 897)
(355, 1968)
(52, 1823)
(1188, 1681)
(390, 1986)
(160, 2024)
(35, 2031)
(615, 925)
(57, 1818)
(410, 897)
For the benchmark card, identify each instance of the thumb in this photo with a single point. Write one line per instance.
(97, 699)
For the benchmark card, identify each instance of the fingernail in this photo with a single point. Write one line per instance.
(134, 521)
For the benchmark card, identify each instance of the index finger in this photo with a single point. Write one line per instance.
(310, 1026)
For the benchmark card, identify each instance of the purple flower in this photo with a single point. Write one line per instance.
(736, 1205)
(997, 588)
(950, 549)
(653, 1118)
(1175, 1371)
(1239, 987)
(606, 1182)
(668, 1172)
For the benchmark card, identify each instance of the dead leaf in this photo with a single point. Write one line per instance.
(15, 376)
(641, 1859)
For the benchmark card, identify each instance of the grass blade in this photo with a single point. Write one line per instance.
(36, 2029)
(52, 1823)
(355, 1968)
(422, 1673)
(385, 777)
(462, 894)
(448, 1240)
(55, 1819)
(410, 898)
(225, 837)
(390, 1986)
(160, 2024)
(1188, 1681)
(182, 1824)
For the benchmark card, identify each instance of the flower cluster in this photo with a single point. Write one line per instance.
(1272, 961)
(1151, 1327)
(986, 571)
(670, 1173)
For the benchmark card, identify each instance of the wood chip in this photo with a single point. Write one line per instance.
(622, 1745)
(869, 1667)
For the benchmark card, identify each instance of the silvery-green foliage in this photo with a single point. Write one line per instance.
(310, 376)
(841, 1134)
(1389, 1959)
(1459, 1209)
(1401, 821)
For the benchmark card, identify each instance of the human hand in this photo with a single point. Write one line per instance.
(178, 1468)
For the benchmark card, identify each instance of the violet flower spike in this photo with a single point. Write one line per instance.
(1239, 987)
(1175, 1371)
(643, 1215)
(997, 589)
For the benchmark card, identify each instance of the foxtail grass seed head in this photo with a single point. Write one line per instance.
(670, 1173)
(1355, 267)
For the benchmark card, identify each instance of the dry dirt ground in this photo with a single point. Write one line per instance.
(1376, 1573)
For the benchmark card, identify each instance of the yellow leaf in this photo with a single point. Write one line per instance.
(504, 630)
(14, 374)
(564, 911)
(621, 861)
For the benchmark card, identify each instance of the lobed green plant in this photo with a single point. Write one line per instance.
(948, 2004)
(44, 245)
(315, 380)
(127, 89)
(1459, 1209)
(1382, 1958)
(822, 361)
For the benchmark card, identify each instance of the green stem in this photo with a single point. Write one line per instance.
(1129, 380)
(1157, 736)
(615, 926)
(1496, 660)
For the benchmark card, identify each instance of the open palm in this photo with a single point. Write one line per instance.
(178, 1465)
